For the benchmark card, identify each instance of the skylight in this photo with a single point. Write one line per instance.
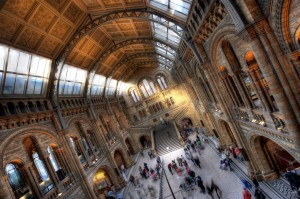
(179, 8)
(165, 33)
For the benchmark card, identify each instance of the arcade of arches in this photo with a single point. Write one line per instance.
(84, 84)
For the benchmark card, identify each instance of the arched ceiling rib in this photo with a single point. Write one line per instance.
(93, 34)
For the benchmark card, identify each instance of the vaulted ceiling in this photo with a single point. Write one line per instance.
(45, 27)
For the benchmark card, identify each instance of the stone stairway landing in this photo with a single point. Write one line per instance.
(165, 143)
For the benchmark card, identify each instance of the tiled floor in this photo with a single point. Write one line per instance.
(229, 184)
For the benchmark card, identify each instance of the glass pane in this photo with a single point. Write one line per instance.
(144, 91)
(64, 71)
(152, 87)
(38, 86)
(41, 67)
(23, 63)
(3, 54)
(164, 82)
(77, 89)
(34, 65)
(61, 87)
(133, 96)
(12, 60)
(30, 86)
(69, 88)
(9, 83)
(160, 85)
(136, 95)
(20, 84)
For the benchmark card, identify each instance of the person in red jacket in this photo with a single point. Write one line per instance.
(246, 194)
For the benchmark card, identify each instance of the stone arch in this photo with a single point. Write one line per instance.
(186, 123)
(216, 38)
(99, 176)
(120, 158)
(129, 145)
(227, 134)
(43, 130)
(271, 157)
(145, 141)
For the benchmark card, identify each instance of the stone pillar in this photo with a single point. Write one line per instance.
(4, 190)
(240, 89)
(275, 87)
(230, 93)
(253, 75)
(33, 182)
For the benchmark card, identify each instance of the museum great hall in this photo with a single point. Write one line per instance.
(87, 85)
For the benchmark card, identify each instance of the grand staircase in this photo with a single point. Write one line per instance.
(165, 143)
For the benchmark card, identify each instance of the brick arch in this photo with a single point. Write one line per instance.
(226, 133)
(265, 160)
(110, 172)
(216, 39)
(79, 119)
(124, 156)
(24, 132)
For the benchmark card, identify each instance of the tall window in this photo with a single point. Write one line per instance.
(74, 144)
(179, 8)
(40, 166)
(72, 80)
(112, 87)
(53, 159)
(162, 83)
(134, 95)
(16, 181)
(22, 73)
(98, 85)
(148, 88)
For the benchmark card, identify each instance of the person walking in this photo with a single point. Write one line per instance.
(246, 184)
(200, 184)
(246, 194)
(179, 160)
(258, 194)
(255, 182)
(170, 168)
(197, 162)
(132, 179)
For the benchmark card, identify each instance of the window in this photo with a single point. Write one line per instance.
(22, 73)
(162, 83)
(165, 33)
(179, 8)
(148, 88)
(16, 181)
(112, 87)
(98, 85)
(40, 166)
(53, 159)
(72, 80)
(134, 95)
(74, 144)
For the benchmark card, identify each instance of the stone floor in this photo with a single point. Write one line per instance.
(229, 184)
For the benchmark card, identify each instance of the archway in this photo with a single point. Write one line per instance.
(119, 159)
(129, 146)
(273, 158)
(102, 182)
(227, 133)
(186, 124)
(145, 141)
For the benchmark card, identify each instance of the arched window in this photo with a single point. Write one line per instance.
(17, 181)
(134, 95)
(148, 88)
(162, 83)
(144, 91)
(52, 158)
(84, 140)
(40, 166)
(76, 148)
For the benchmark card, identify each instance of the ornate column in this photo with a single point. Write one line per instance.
(33, 182)
(275, 86)
(240, 89)
(4, 192)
